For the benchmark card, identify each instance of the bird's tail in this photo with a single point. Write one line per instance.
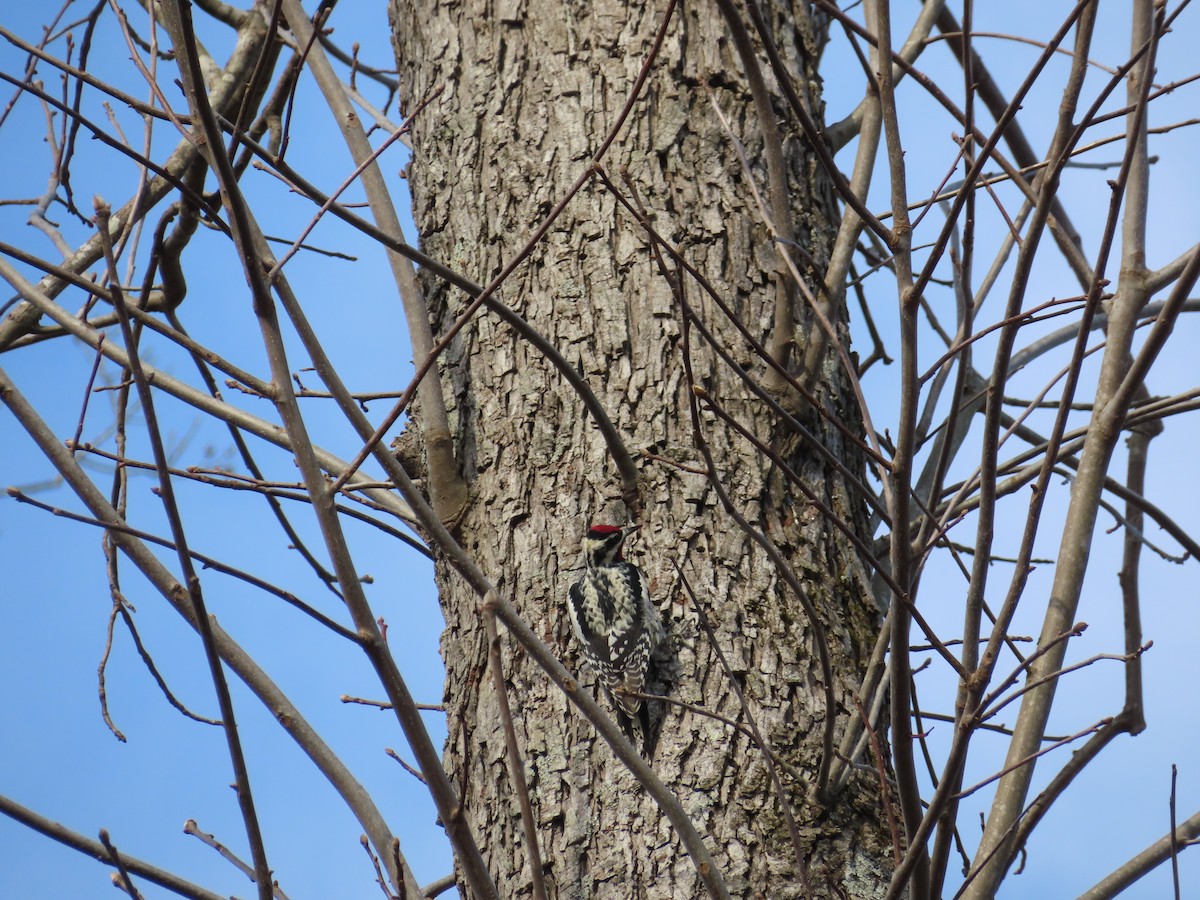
(637, 728)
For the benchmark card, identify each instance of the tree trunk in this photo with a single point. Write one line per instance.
(529, 92)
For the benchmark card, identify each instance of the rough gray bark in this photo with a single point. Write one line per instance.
(529, 92)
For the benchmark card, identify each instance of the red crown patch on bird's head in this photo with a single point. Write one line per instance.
(602, 544)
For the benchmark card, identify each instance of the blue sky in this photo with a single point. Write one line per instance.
(59, 758)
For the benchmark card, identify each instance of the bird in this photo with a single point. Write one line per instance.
(616, 625)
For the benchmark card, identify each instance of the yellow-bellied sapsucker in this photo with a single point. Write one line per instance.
(617, 625)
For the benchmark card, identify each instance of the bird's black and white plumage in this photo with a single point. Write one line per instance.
(617, 625)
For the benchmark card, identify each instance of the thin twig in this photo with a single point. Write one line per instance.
(380, 878)
(1033, 757)
(207, 561)
(516, 765)
(1174, 840)
(245, 797)
(384, 704)
(819, 638)
(411, 770)
(126, 880)
(785, 803)
(885, 794)
(190, 827)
